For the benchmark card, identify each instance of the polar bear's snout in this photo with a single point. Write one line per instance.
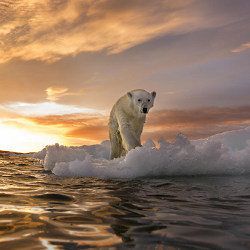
(144, 106)
(145, 110)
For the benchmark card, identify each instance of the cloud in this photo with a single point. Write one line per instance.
(56, 92)
(194, 123)
(91, 127)
(241, 48)
(49, 30)
(92, 132)
(200, 116)
(43, 108)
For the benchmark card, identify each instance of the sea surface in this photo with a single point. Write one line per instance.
(39, 210)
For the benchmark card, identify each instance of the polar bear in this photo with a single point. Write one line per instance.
(126, 121)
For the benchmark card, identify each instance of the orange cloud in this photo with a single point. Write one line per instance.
(34, 133)
(87, 127)
(92, 132)
(194, 123)
(200, 116)
(243, 47)
(55, 92)
(47, 30)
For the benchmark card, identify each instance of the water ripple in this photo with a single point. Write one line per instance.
(40, 210)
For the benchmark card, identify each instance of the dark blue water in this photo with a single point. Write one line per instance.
(39, 210)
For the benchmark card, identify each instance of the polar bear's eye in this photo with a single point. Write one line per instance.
(139, 100)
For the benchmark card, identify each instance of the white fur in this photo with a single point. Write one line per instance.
(126, 121)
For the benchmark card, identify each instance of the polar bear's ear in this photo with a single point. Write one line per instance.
(153, 94)
(130, 95)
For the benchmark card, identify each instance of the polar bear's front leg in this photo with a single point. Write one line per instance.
(129, 139)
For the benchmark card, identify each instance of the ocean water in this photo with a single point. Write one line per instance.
(180, 195)
(39, 210)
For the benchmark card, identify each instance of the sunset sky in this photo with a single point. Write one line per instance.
(64, 63)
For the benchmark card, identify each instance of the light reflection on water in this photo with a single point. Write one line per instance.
(39, 210)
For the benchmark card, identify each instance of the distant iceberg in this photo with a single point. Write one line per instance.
(227, 153)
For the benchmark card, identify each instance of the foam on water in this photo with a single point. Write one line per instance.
(222, 154)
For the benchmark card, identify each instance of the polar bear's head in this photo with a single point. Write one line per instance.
(142, 100)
